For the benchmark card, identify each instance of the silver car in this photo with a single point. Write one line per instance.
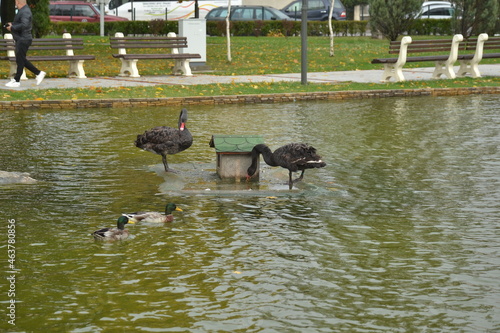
(437, 10)
(246, 13)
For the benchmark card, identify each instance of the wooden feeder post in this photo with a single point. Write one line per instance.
(234, 154)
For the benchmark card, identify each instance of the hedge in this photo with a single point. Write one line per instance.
(238, 28)
(246, 28)
(431, 27)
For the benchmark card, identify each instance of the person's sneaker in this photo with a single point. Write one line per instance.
(40, 77)
(13, 84)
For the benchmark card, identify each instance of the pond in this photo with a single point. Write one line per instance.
(399, 232)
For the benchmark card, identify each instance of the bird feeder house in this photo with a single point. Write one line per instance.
(234, 154)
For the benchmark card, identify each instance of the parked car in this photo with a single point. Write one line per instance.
(78, 11)
(317, 10)
(437, 10)
(246, 13)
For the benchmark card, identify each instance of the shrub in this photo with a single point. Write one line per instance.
(394, 17)
(431, 27)
(41, 21)
(162, 27)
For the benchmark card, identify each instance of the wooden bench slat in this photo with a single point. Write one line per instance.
(427, 58)
(158, 56)
(56, 39)
(148, 46)
(53, 57)
(430, 41)
(45, 48)
(146, 38)
(384, 60)
(62, 43)
(419, 49)
(410, 59)
(61, 57)
(133, 42)
(491, 55)
(472, 44)
(491, 47)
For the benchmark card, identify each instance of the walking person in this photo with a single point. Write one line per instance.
(21, 31)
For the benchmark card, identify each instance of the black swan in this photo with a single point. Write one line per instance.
(164, 140)
(293, 156)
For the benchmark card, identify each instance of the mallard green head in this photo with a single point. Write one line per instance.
(170, 208)
(122, 220)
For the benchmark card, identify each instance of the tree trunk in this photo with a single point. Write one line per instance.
(332, 43)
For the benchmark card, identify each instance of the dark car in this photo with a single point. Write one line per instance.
(78, 11)
(246, 13)
(317, 10)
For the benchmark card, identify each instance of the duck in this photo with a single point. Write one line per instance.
(155, 217)
(293, 156)
(112, 234)
(164, 140)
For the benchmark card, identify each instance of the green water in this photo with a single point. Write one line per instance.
(399, 233)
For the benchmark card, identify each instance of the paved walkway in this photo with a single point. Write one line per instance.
(366, 76)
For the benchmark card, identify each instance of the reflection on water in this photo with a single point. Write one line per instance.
(398, 233)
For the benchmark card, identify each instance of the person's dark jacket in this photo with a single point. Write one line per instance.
(22, 24)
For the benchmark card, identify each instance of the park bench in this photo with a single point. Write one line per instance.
(469, 62)
(171, 43)
(393, 67)
(48, 48)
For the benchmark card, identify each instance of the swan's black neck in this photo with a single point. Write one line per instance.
(182, 120)
(267, 154)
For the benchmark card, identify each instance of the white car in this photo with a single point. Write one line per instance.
(437, 10)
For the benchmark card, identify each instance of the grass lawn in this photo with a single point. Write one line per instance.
(250, 55)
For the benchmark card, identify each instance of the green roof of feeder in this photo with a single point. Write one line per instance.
(235, 143)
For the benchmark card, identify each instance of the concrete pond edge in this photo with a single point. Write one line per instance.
(241, 99)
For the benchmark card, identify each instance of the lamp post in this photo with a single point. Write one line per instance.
(303, 49)
(102, 3)
(196, 9)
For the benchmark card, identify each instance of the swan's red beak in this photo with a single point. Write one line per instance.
(248, 177)
(181, 128)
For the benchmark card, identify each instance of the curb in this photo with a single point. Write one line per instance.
(242, 99)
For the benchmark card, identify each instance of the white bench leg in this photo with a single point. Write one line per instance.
(182, 67)
(467, 66)
(13, 70)
(76, 69)
(443, 68)
(390, 70)
(129, 68)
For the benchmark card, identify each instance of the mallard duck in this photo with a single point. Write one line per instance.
(164, 140)
(154, 216)
(111, 234)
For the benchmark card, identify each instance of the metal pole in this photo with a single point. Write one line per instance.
(303, 37)
(101, 18)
